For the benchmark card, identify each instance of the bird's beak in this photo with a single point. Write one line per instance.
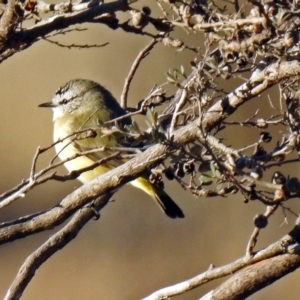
(47, 104)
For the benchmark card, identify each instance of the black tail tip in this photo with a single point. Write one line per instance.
(174, 213)
(170, 208)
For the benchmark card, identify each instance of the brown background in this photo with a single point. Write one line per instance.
(133, 249)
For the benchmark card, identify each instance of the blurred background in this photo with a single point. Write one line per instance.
(133, 249)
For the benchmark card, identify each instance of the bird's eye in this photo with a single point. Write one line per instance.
(64, 101)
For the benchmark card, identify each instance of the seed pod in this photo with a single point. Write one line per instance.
(257, 173)
(292, 185)
(169, 173)
(260, 221)
(278, 178)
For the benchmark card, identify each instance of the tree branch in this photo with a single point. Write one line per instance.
(259, 81)
(52, 245)
(263, 258)
(26, 37)
(143, 53)
(7, 21)
(256, 277)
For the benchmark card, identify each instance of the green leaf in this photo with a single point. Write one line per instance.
(136, 127)
(170, 77)
(206, 179)
(212, 168)
(182, 71)
(218, 174)
(150, 114)
(179, 74)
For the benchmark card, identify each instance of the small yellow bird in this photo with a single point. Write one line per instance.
(81, 104)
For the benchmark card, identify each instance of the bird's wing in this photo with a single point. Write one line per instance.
(101, 137)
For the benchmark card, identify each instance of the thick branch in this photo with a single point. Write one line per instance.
(52, 245)
(256, 277)
(260, 81)
(25, 38)
(265, 257)
(63, 21)
(7, 22)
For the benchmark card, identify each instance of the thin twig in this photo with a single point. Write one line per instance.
(37, 180)
(86, 46)
(253, 239)
(178, 106)
(215, 273)
(133, 70)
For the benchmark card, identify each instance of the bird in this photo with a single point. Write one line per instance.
(83, 104)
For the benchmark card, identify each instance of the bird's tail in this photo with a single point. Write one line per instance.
(170, 208)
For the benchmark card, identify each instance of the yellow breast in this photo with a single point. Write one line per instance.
(66, 149)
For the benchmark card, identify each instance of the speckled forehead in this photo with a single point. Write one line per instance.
(61, 94)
